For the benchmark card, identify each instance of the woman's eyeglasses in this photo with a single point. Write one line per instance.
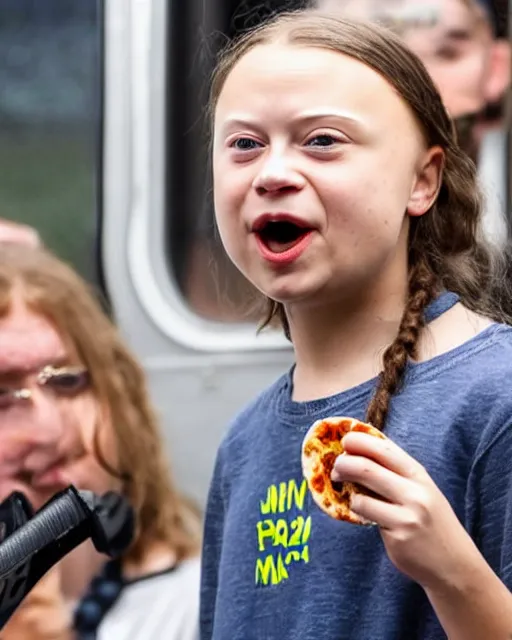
(62, 381)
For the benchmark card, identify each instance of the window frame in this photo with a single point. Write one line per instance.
(148, 266)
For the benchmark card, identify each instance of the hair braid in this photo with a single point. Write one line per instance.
(422, 286)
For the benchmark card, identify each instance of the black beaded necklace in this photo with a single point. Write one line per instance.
(102, 594)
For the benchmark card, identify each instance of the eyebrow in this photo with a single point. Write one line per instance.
(457, 34)
(18, 372)
(304, 118)
(309, 118)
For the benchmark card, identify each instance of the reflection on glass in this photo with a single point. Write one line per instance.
(49, 108)
(209, 283)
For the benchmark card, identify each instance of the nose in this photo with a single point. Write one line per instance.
(277, 175)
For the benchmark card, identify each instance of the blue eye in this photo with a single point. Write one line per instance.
(323, 140)
(245, 144)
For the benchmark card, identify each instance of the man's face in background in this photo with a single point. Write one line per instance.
(456, 41)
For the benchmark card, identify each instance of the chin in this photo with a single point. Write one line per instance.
(289, 294)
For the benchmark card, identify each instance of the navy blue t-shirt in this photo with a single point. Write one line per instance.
(276, 567)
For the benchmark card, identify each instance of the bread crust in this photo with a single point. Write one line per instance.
(321, 446)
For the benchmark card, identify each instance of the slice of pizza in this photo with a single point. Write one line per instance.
(320, 448)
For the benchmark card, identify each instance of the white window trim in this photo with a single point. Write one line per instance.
(147, 265)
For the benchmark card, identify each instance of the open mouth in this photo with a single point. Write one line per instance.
(281, 235)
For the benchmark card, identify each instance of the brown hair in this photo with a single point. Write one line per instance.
(446, 250)
(50, 287)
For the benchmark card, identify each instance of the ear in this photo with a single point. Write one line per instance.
(498, 72)
(427, 183)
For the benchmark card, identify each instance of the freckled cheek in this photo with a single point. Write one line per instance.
(361, 221)
(348, 210)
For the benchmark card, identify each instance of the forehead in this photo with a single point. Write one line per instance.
(28, 340)
(280, 80)
(459, 23)
(447, 14)
(451, 13)
(409, 9)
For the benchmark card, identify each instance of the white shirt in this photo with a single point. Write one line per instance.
(162, 607)
(492, 173)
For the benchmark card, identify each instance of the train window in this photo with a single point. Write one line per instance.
(471, 68)
(207, 280)
(50, 92)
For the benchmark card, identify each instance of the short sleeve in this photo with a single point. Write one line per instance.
(212, 546)
(489, 504)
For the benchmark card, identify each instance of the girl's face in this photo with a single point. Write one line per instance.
(318, 164)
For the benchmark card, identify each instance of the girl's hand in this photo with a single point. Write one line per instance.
(422, 535)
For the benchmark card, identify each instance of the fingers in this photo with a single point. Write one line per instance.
(369, 474)
(384, 452)
(384, 514)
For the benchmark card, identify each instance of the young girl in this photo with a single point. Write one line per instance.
(341, 193)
